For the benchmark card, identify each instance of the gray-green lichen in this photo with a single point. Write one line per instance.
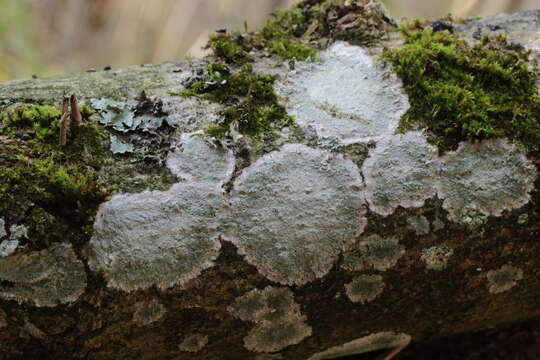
(43, 278)
(365, 288)
(377, 341)
(18, 232)
(420, 224)
(2, 228)
(373, 252)
(120, 147)
(346, 96)
(436, 257)
(148, 312)
(484, 179)
(193, 343)
(164, 238)
(400, 171)
(198, 159)
(503, 279)
(8, 247)
(279, 322)
(294, 210)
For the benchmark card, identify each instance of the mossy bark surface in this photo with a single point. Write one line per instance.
(490, 279)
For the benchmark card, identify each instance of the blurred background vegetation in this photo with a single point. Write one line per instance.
(46, 37)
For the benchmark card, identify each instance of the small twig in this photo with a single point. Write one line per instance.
(75, 115)
(64, 122)
(393, 353)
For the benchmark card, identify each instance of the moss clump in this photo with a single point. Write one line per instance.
(462, 92)
(53, 190)
(253, 107)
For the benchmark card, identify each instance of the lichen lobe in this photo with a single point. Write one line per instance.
(294, 210)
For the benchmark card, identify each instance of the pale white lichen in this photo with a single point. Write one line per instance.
(373, 252)
(193, 343)
(198, 159)
(503, 279)
(436, 257)
(164, 238)
(365, 288)
(148, 312)
(345, 96)
(8, 247)
(420, 224)
(156, 238)
(294, 210)
(18, 232)
(279, 322)
(484, 179)
(400, 171)
(377, 341)
(43, 278)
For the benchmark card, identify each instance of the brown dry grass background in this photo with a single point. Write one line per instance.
(46, 37)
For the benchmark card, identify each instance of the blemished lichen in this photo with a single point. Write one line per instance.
(346, 97)
(164, 238)
(436, 257)
(463, 92)
(52, 190)
(279, 322)
(503, 279)
(43, 278)
(484, 179)
(253, 107)
(420, 224)
(148, 312)
(365, 288)
(193, 343)
(400, 171)
(373, 252)
(377, 341)
(3, 231)
(294, 210)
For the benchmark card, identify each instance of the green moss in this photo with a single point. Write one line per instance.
(253, 107)
(462, 92)
(53, 190)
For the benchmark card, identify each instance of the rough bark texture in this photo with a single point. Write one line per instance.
(381, 272)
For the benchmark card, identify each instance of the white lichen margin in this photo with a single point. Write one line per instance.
(377, 341)
(503, 279)
(43, 278)
(400, 171)
(294, 211)
(278, 320)
(485, 178)
(164, 238)
(345, 96)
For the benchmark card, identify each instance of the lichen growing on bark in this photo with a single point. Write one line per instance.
(376, 341)
(485, 178)
(294, 210)
(193, 343)
(43, 278)
(148, 312)
(279, 322)
(164, 238)
(365, 288)
(503, 279)
(374, 252)
(346, 97)
(436, 257)
(400, 171)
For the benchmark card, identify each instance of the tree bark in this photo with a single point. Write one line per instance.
(409, 271)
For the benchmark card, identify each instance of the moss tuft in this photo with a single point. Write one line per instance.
(462, 92)
(53, 190)
(253, 107)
